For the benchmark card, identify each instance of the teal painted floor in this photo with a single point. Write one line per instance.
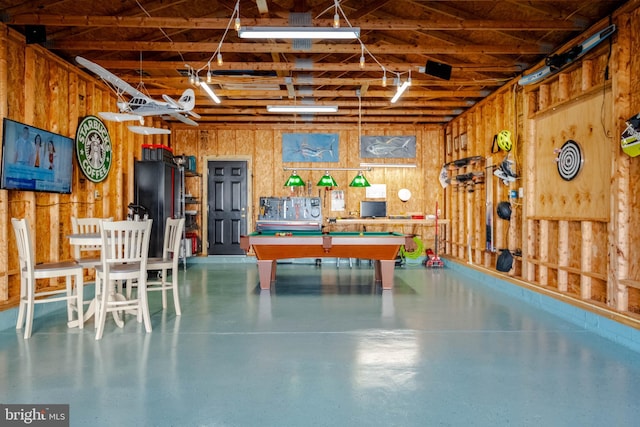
(326, 348)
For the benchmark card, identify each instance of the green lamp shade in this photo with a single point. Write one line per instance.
(294, 181)
(327, 181)
(360, 181)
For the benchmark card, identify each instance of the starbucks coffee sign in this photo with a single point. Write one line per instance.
(93, 148)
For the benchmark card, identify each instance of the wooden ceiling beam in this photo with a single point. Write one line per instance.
(325, 119)
(416, 80)
(221, 23)
(316, 48)
(429, 103)
(263, 9)
(410, 93)
(290, 66)
(341, 112)
(550, 11)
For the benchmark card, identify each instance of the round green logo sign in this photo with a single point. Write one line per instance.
(93, 148)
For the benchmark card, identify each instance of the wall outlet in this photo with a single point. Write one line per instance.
(96, 194)
(521, 192)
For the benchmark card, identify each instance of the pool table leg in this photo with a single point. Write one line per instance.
(384, 272)
(267, 273)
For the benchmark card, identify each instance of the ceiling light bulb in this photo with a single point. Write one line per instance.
(237, 24)
(336, 21)
(384, 79)
(209, 76)
(197, 82)
(362, 61)
(192, 78)
(219, 58)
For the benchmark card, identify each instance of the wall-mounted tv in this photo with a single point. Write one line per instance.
(373, 209)
(34, 159)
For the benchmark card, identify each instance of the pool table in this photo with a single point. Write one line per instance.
(380, 247)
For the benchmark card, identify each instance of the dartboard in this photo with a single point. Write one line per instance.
(569, 160)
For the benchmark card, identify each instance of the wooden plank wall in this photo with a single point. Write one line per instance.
(262, 148)
(467, 239)
(577, 237)
(40, 90)
(633, 165)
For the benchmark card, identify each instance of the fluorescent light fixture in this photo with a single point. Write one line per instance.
(302, 108)
(388, 165)
(401, 90)
(350, 33)
(210, 92)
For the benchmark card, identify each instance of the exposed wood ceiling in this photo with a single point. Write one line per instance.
(487, 43)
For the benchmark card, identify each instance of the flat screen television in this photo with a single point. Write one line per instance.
(34, 159)
(373, 209)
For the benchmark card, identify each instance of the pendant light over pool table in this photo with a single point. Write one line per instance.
(294, 180)
(360, 181)
(327, 181)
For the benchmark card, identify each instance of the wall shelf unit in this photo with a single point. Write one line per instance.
(190, 206)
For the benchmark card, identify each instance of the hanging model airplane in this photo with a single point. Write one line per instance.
(140, 105)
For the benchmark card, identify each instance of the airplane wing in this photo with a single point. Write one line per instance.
(147, 130)
(110, 78)
(180, 117)
(120, 117)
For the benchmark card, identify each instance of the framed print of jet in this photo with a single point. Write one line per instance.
(388, 147)
(310, 147)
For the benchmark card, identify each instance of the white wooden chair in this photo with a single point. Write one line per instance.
(88, 256)
(168, 263)
(30, 272)
(125, 248)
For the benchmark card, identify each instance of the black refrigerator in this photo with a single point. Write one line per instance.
(157, 188)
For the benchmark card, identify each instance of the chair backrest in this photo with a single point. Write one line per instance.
(26, 251)
(86, 226)
(173, 231)
(125, 242)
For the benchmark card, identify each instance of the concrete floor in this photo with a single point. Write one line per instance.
(326, 348)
